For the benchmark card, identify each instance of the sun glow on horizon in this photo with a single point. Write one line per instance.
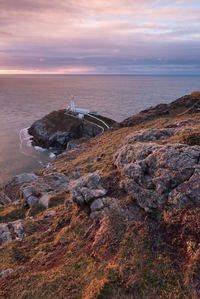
(63, 37)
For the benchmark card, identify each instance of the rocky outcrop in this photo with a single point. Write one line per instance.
(184, 105)
(58, 128)
(23, 178)
(156, 134)
(88, 192)
(156, 175)
(42, 188)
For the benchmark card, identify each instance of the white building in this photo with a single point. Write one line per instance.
(80, 111)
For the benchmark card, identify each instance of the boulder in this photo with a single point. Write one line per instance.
(12, 230)
(88, 192)
(86, 189)
(5, 234)
(160, 174)
(18, 229)
(103, 205)
(23, 178)
(42, 188)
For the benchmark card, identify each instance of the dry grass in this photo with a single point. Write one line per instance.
(70, 256)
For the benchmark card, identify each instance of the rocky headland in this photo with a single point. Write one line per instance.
(58, 128)
(115, 217)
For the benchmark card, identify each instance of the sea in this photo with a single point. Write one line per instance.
(26, 98)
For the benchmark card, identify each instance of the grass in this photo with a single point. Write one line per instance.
(56, 199)
(70, 256)
(12, 213)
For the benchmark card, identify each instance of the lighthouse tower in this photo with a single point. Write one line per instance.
(73, 109)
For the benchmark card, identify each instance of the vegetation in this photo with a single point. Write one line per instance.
(67, 255)
(56, 199)
(191, 138)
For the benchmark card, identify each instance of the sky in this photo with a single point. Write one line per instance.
(140, 37)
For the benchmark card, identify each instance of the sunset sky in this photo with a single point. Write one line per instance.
(100, 36)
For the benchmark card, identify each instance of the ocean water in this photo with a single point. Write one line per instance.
(26, 98)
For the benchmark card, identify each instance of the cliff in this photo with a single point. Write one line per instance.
(58, 128)
(116, 217)
(187, 104)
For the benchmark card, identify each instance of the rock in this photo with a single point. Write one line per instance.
(101, 206)
(60, 139)
(179, 124)
(57, 182)
(4, 199)
(18, 229)
(158, 174)
(31, 200)
(6, 272)
(86, 189)
(72, 145)
(45, 199)
(156, 134)
(23, 178)
(5, 234)
(97, 205)
(42, 188)
(12, 230)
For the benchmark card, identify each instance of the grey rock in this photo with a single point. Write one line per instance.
(158, 174)
(72, 145)
(57, 182)
(60, 139)
(23, 178)
(102, 206)
(5, 234)
(44, 199)
(90, 194)
(28, 191)
(97, 205)
(87, 189)
(18, 229)
(42, 188)
(6, 272)
(156, 134)
(31, 200)
(4, 199)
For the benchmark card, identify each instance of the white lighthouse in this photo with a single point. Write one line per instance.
(78, 110)
(72, 105)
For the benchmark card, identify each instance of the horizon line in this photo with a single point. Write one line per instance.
(97, 74)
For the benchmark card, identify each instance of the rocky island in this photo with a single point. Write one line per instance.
(115, 217)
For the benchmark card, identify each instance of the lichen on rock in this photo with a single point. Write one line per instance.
(159, 174)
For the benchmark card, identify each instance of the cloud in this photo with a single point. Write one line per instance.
(98, 35)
